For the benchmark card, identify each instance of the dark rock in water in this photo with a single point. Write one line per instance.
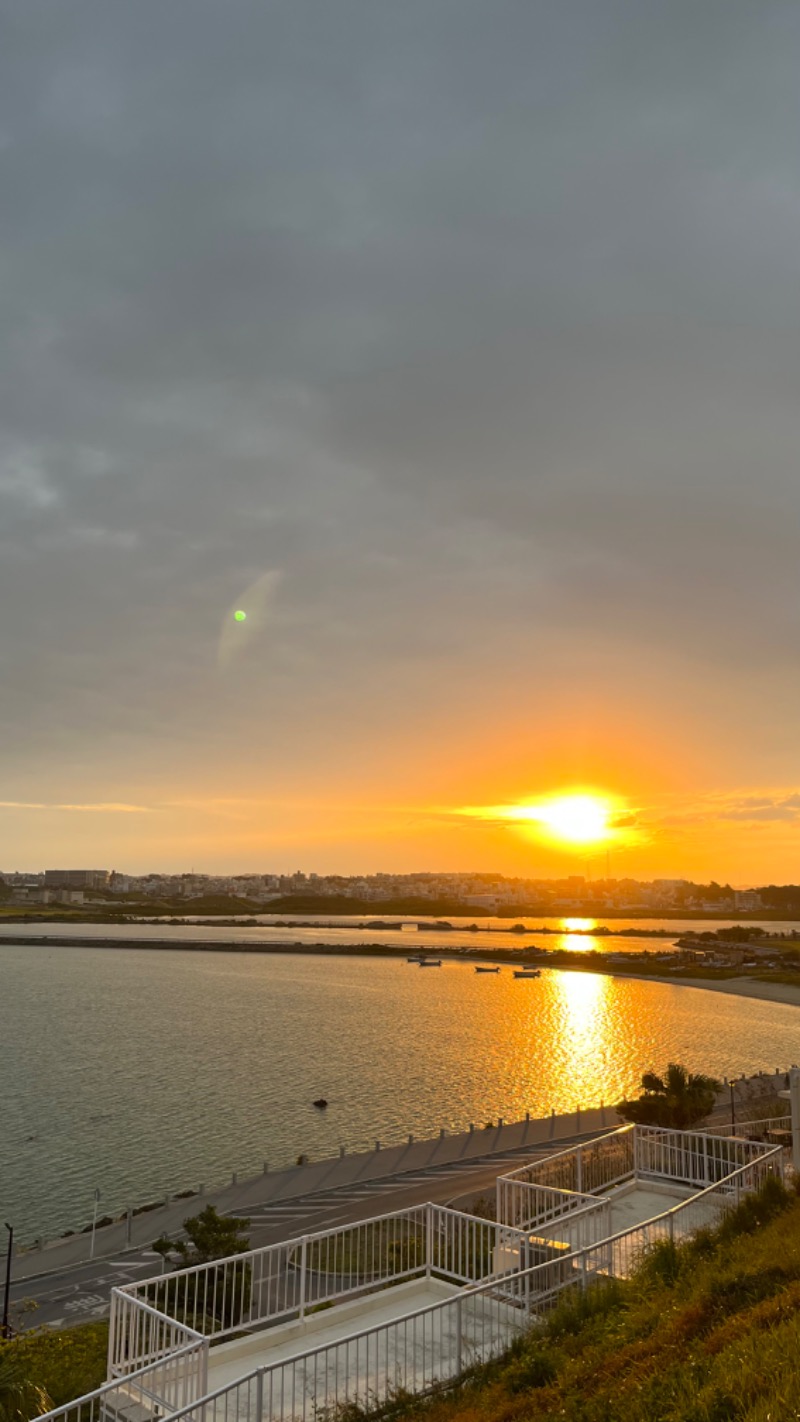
(320, 1104)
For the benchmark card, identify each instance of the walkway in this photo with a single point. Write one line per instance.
(277, 1195)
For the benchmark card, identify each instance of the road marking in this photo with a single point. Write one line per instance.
(288, 1211)
(86, 1304)
(56, 1296)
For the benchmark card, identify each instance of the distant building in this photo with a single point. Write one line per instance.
(76, 878)
(747, 899)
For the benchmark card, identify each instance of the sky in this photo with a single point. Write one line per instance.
(457, 344)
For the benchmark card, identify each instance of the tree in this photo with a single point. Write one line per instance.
(680, 1099)
(210, 1236)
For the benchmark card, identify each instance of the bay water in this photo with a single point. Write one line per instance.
(139, 1072)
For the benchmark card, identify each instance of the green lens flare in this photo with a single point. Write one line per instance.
(240, 616)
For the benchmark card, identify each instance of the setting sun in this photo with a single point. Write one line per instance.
(576, 819)
(579, 819)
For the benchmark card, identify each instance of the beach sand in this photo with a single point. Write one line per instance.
(785, 993)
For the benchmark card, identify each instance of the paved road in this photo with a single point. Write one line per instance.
(82, 1292)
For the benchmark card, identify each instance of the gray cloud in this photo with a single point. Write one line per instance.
(476, 322)
(705, 811)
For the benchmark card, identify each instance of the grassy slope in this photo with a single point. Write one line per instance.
(707, 1333)
(66, 1363)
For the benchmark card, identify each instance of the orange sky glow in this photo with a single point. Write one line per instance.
(398, 451)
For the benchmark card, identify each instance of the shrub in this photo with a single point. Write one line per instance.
(20, 1396)
(536, 1367)
(678, 1100)
(579, 1306)
(60, 1364)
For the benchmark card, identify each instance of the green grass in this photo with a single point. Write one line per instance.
(64, 1363)
(707, 1332)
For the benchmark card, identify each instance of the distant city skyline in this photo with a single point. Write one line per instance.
(471, 886)
(399, 425)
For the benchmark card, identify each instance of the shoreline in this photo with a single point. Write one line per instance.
(787, 994)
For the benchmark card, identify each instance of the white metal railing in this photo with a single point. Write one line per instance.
(584, 1169)
(167, 1385)
(529, 1206)
(630, 1153)
(418, 1353)
(577, 1229)
(286, 1280)
(690, 1157)
(265, 1285)
(703, 1210)
(433, 1346)
(759, 1130)
(142, 1337)
(160, 1328)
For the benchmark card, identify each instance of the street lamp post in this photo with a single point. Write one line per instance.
(94, 1222)
(6, 1328)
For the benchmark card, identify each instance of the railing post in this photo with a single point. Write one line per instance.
(303, 1258)
(112, 1331)
(794, 1101)
(579, 1170)
(636, 1153)
(459, 1361)
(428, 1239)
(204, 1368)
(704, 1139)
(259, 1396)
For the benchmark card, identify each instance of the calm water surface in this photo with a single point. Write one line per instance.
(139, 1072)
(573, 934)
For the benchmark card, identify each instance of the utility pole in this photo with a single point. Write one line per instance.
(6, 1327)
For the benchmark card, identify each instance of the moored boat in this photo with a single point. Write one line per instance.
(527, 973)
(487, 970)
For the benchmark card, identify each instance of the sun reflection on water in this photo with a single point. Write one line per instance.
(581, 1004)
(576, 943)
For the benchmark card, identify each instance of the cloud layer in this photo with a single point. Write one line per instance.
(473, 328)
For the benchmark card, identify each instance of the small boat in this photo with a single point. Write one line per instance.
(527, 973)
(320, 1103)
(430, 962)
(487, 970)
